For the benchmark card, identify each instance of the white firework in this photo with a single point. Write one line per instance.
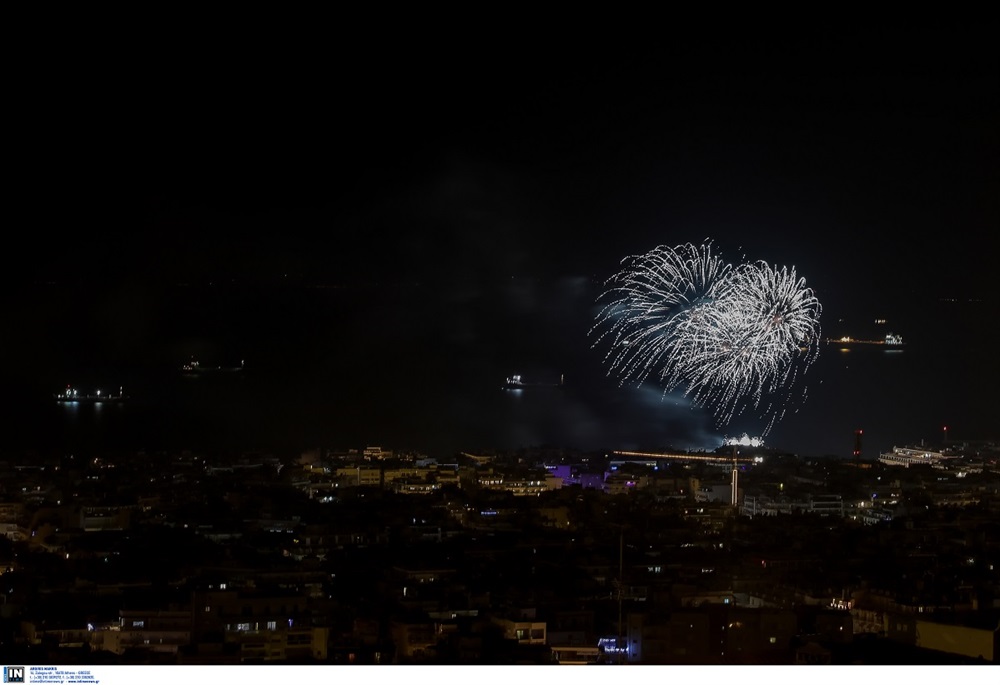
(657, 296)
(728, 338)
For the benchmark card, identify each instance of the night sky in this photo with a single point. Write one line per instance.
(864, 157)
(349, 153)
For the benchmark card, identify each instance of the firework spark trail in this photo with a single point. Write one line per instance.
(729, 338)
(655, 295)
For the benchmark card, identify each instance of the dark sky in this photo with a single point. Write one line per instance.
(865, 157)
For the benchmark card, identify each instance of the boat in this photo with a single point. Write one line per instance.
(194, 367)
(913, 456)
(892, 341)
(71, 394)
(516, 382)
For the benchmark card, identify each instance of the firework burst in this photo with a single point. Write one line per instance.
(729, 338)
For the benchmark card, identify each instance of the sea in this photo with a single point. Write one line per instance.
(420, 367)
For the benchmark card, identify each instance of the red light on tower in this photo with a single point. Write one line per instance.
(857, 443)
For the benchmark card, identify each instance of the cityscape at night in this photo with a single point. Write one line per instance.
(532, 353)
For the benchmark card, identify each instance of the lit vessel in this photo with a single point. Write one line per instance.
(71, 394)
(912, 456)
(194, 367)
(515, 382)
(891, 342)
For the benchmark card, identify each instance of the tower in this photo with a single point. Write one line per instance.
(734, 495)
(857, 445)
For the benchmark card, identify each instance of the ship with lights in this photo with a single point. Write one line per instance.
(71, 394)
(193, 367)
(891, 341)
(516, 382)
